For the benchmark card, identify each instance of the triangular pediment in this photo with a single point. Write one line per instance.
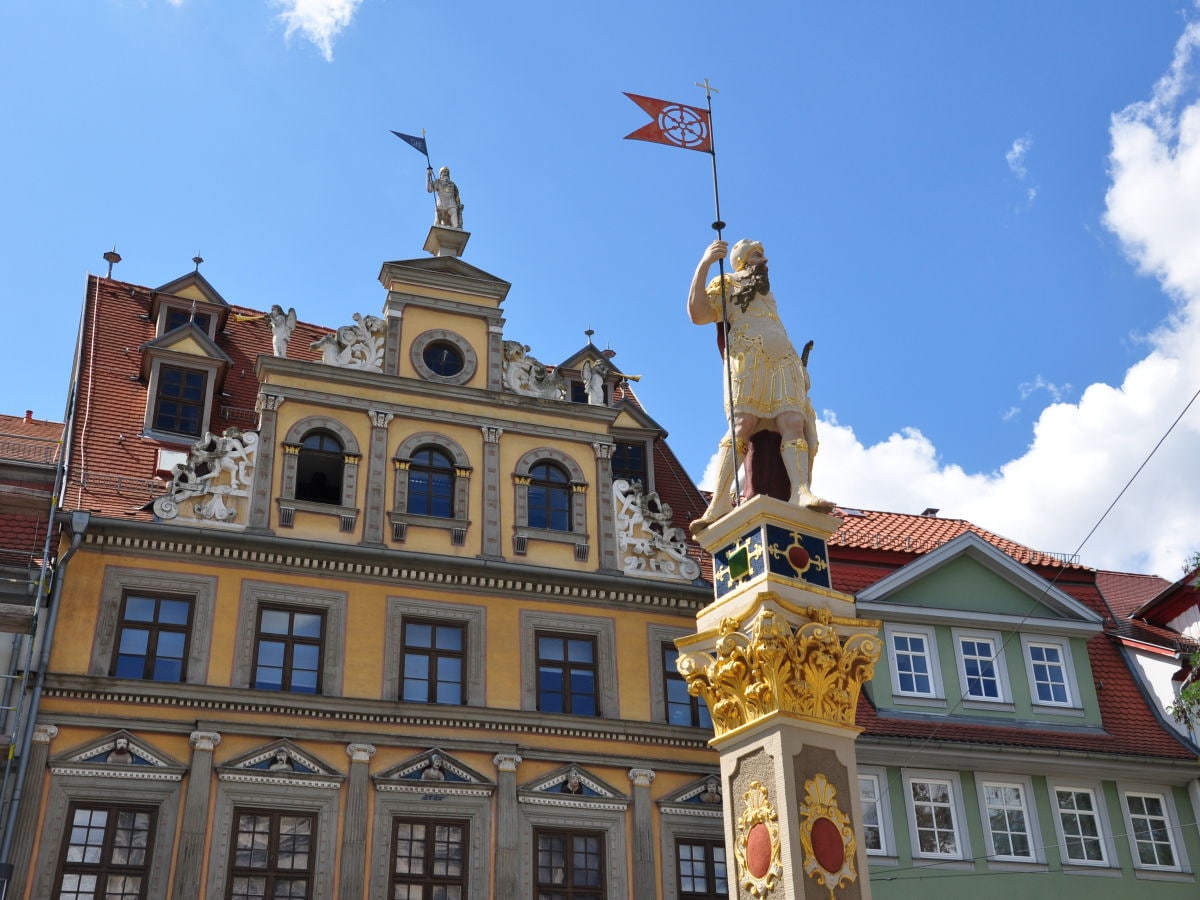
(572, 785)
(586, 353)
(969, 577)
(188, 340)
(630, 415)
(702, 798)
(193, 286)
(280, 762)
(433, 772)
(446, 272)
(119, 755)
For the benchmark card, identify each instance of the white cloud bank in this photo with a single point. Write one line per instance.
(320, 21)
(1015, 157)
(1083, 453)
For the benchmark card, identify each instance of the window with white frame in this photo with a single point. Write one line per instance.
(981, 668)
(874, 832)
(1051, 679)
(1080, 826)
(913, 655)
(933, 807)
(1006, 820)
(1151, 836)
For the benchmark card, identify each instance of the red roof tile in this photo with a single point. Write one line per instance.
(1126, 591)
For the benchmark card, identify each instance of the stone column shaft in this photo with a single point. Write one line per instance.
(644, 882)
(376, 495)
(508, 836)
(190, 859)
(491, 491)
(31, 800)
(354, 827)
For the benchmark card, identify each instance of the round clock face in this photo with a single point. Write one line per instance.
(443, 358)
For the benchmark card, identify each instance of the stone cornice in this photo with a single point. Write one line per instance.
(465, 574)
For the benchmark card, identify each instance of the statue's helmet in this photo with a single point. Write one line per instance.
(741, 252)
(444, 171)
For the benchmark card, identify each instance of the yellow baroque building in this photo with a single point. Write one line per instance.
(385, 610)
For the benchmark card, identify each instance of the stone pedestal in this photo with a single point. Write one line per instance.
(780, 658)
(442, 241)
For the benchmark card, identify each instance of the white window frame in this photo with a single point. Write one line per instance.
(929, 635)
(998, 665)
(1171, 823)
(1028, 809)
(1028, 642)
(1099, 811)
(883, 810)
(962, 849)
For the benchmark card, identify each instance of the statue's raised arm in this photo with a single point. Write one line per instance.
(767, 386)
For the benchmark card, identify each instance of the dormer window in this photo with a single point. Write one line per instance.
(180, 400)
(629, 462)
(175, 316)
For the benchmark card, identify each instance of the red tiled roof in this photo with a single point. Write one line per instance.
(1126, 591)
(29, 439)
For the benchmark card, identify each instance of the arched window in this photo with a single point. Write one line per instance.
(320, 467)
(549, 497)
(431, 483)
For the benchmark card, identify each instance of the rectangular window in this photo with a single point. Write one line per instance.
(287, 652)
(566, 674)
(179, 405)
(935, 818)
(152, 638)
(106, 853)
(682, 707)
(629, 462)
(429, 860)
(1079, 819)
(434, 656)
(568, 865)
(272, 855)
(1150, 829)
(981, 679)
(1048, 674)
(1007, 821)
(914, 674)
(701, 868)
(872, 823)
(176, 317)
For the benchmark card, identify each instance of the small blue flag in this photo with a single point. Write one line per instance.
(417, 143)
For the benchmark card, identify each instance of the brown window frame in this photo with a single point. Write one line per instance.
(433, 654)
(699, 716)
(271, 872)
(104, 870)
(568, 890)
(709, 845)
(290, 640)
(567, 666)
(173, 423)
(428, 880)
(154, 628)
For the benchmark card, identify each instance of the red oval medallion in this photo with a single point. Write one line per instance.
(758, 851)
(798, 557)
(827, 845)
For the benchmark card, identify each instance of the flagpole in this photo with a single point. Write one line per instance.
(718, 227)
(428, 164)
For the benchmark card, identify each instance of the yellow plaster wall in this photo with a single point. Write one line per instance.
(417, 320)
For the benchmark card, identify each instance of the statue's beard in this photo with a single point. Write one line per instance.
(753, 283)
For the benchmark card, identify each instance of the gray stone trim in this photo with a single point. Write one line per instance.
(394, 316)
(656, 636)
(264, 464)
(604, 632)
(192, 833)
(374, 500)
(25, 827)
(604, 505)
(643, 833)
(332, 603)
(210, 368)
(475, 810)
(285, 797)
(68, 789)
(354, 822)
(462, 484)
(495, 354)
(577, 486)
(671, 830)
(491, 491)
(474, 618)
(201, 589)
(421, 341)
(292, 440)
(610, 822)
(508, 834)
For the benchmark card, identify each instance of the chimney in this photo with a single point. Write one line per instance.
(29, 417)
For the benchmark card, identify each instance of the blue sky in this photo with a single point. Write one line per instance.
(986, 215)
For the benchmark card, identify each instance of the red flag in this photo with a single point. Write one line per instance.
(674, 124)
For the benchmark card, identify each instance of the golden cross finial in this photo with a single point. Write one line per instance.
(709, 90)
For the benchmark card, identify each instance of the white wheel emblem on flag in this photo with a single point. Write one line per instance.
(682, 126)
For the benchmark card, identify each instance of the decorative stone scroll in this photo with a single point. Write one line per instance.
(648, 543)
(810, 671)
(357, 346)
(217, 469)
(525, 375)
(756, 843)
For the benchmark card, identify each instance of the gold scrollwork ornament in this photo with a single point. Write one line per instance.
(756, 845)
(826, 836)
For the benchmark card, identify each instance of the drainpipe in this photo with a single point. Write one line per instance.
(79, 520)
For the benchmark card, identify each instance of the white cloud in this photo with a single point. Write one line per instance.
(320, 21)
(1056, 392)
(1015, 157)
(1084, 452)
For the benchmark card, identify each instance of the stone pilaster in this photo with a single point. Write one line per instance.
(264, 460)
(495, 355)
(354, 827)
(508, 832)
(393, 311)
(192, 832)
(491, 491)
(376, 494)
(644, 881)
(31, 798)
(604, 501)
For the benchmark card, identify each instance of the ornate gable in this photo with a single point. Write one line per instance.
(280, 762)
(572, 786)
(118, 755)
(701, 798)
(433, 772)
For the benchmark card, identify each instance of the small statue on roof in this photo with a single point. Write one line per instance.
(448, 205)
(282, 326)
